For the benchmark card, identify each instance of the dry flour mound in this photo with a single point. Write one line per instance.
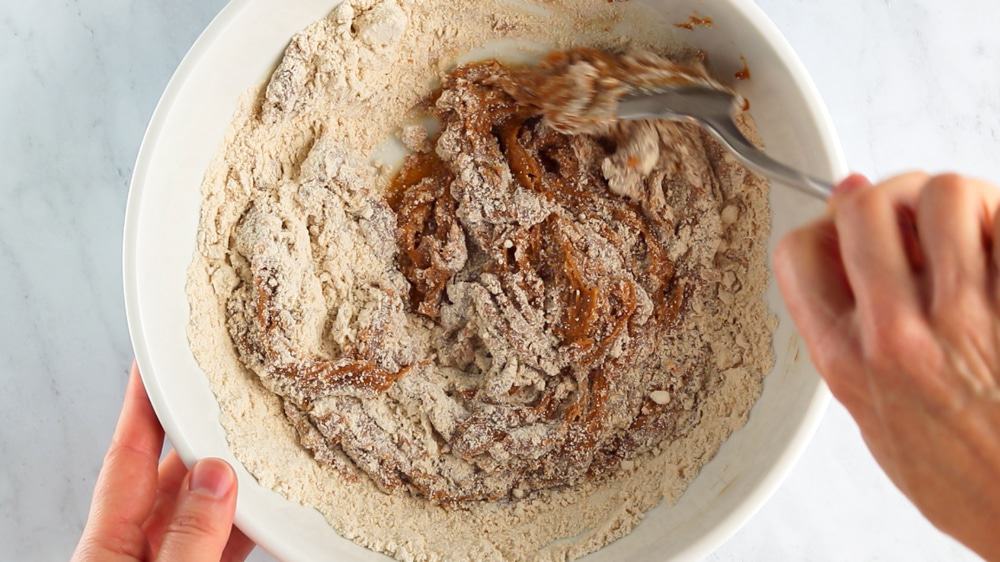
(342, 392)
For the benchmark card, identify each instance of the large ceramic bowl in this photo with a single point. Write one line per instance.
(237, 51)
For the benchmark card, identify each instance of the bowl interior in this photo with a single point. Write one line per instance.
(237, 51)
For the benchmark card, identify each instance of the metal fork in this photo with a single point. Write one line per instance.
(714, 110)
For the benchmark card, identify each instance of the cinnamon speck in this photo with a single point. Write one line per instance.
(695, 20)
(743, 73)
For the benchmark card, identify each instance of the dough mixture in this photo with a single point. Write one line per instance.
(539, 307)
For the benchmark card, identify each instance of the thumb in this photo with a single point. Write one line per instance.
(203, 516)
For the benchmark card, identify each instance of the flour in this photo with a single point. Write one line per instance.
(298, 272)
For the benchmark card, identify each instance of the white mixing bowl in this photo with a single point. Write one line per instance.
(237, 51)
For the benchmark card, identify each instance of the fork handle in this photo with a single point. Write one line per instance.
(726, 131)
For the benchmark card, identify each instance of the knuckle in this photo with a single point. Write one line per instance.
(963, 321)
(944, 189)
(839, 366)
(191, 524)
(789, 246)
(791, 252)
(864, 204)
(946, 184)
(122, 452)
(833, 354)
(826, 362)
(118, 540)
(954, 302)
(895, 341)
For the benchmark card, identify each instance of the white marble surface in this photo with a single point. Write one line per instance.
(909, 84)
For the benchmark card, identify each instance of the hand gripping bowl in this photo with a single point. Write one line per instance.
(236, 52)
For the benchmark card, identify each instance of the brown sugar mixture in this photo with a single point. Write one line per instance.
(547, 254)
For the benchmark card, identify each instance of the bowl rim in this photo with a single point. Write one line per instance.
(244, 519)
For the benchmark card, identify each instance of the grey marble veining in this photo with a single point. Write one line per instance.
(909, 84)
(78, 81)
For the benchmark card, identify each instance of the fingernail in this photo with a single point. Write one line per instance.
(212, 477)
(850, 183)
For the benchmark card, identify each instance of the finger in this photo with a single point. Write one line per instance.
(238, 548)
(126, 487)
(874, 252)
(172, 472)
(814, 284)
(812, 277)
(203, 516)
(954, 220)
(851, 183)
(953, 217)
